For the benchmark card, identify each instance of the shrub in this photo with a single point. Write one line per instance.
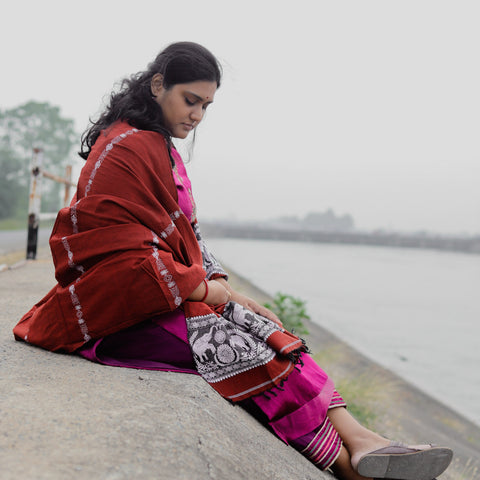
(291, 311)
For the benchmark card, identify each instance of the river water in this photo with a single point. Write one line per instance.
(416, 312)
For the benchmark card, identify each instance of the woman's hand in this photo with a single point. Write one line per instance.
(248, 302)
(255, 307)
(216, 294)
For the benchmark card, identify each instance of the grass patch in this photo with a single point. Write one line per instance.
(462, 472)
(360, 394)
(13, 257)
(22, 224)
(366, 394)
(13, 224)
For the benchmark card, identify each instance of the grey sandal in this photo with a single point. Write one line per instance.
(401, 462)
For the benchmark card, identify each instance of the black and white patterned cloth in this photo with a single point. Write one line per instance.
(230, 344)
(210, 264)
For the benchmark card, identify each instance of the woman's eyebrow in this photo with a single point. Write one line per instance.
(199, 98)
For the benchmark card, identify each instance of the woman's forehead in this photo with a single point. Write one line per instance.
(203, 90)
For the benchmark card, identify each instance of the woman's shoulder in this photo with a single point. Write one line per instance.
(122, 138)
(127, 134)
(122, 149)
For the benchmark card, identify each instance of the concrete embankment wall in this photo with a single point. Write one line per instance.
(62, 416)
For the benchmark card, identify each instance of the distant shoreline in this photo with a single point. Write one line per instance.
(387, 239)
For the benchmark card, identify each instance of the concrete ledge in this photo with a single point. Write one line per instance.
(64, 417)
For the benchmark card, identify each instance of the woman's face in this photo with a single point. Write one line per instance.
(183, 105)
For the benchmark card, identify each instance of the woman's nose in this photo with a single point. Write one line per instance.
(196, 114)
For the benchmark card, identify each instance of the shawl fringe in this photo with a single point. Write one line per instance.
(240, 353)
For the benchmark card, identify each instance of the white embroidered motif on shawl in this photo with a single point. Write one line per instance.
(73, 216)
(105, 152)
(233, 343)
(166, 275)
(79, 313)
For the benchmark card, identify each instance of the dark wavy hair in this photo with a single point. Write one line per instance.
(181, 62)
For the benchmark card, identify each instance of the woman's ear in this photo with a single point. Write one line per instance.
(156, 85)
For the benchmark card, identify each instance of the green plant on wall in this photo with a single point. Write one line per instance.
(291, 311)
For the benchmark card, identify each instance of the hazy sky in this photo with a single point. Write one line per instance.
(369, 107)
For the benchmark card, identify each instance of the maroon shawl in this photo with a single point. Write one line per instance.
(124, 252)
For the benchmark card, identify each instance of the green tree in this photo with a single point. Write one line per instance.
(10, 188)
(23, 128)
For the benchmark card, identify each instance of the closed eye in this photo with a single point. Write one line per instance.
(191, 103)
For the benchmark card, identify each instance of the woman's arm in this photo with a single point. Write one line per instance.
(211, 292)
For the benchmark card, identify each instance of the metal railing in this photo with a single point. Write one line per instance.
(34, 203)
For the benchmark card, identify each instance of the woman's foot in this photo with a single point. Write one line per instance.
(405, 462)
(376, 442)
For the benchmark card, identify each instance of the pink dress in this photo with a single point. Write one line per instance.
(296, 411)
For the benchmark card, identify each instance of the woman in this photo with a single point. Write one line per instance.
(137, 286)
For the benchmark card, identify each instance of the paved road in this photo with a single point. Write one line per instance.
(16, 240)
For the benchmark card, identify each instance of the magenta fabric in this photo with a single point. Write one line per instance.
(156, 344)
(302, 405)
(184, 187)
(322, 446)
